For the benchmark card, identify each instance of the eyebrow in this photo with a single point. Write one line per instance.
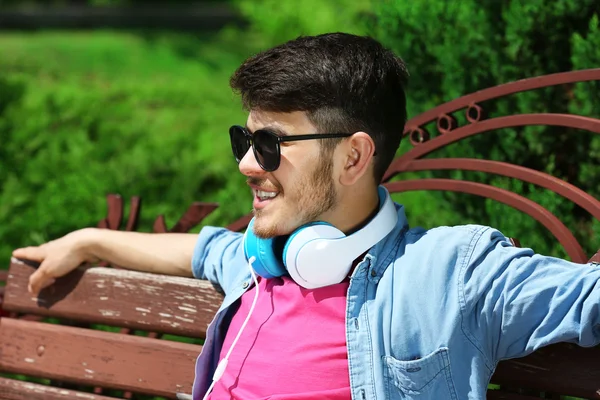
(278, 131)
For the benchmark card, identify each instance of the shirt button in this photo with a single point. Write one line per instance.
(373, 273)
(245, 285)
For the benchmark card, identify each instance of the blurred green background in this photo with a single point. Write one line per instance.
(84, 113)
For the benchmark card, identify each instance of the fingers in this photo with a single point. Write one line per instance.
(35, 253)
(40, 279)
(55, 258)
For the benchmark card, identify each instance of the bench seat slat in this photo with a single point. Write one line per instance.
(97, 358)
(130, 299)
(563, 368)
(11, 389)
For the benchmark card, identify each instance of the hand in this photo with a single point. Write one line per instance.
(56, 258)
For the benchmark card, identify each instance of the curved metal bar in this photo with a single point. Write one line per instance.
(115, 211)
(539, 213)
(160, 225)
(193, 216)
(559, 186)
(134, 213)
(505, 89)
(564, 120)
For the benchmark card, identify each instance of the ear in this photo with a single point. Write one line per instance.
(359, 151)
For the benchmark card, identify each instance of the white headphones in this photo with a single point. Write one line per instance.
(318, 254)
(315, 255)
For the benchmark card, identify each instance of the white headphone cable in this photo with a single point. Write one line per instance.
(223, 363)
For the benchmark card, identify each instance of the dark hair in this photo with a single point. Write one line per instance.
(344, 82)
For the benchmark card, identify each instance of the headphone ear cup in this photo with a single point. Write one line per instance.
(308, 259)
(306, 236)
(268, 263)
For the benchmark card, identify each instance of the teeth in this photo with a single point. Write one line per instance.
(265, 195)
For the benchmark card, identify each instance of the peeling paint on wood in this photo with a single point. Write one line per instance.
(118, 297)
(97, 358)
(130, 299)
(20, 390)
(109, 313)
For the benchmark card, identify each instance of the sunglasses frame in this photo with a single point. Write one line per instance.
(278, 140)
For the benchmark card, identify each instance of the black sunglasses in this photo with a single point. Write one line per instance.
(265, 144)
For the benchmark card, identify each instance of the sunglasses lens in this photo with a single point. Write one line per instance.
(266, 150)
(239, 142)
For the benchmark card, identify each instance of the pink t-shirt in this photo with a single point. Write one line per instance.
(293, 347)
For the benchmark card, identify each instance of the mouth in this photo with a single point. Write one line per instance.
(263, 197)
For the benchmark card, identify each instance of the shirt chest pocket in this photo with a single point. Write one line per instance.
(426, 378)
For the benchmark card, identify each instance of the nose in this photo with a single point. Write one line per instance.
(249, 165)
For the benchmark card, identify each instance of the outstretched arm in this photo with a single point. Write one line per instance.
(165, 253)
(516, 301)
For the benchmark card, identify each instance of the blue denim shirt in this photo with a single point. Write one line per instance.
(430, 312)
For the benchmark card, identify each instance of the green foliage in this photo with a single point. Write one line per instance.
(86, 114)
(83, 115)
(456, 48)
(295, 19)
(147, 113)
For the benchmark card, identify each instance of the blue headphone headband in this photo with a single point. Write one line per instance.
(318, 254)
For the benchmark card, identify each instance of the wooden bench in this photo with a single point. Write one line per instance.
(83, 358)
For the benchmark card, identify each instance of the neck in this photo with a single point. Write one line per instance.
(355, 209)
(363, 210)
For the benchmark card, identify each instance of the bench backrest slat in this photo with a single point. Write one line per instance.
(97, 358)
(116, 297)
(11, 389)
(561, 368)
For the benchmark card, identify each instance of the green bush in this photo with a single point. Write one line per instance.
(456, 48)
(83, 115)
(138, 113)
(147, 113)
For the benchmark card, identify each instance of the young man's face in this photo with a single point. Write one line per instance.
(303, 185)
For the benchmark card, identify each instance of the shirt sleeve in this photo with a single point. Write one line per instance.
(218, 256)
(515, 301)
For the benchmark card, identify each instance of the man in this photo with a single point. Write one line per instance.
(419, 315)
